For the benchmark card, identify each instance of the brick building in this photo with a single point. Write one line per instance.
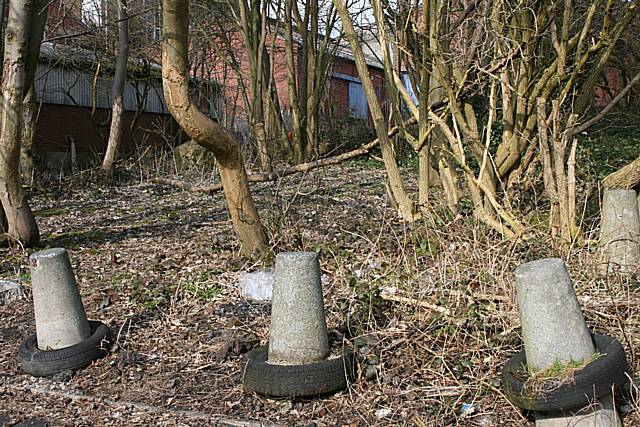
(346, 95)
(74, 97)
(73, 91)
(75, 104)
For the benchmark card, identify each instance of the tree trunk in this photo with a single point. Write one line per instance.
(626, 177)
(204, 131)
(29, 117)
(21, 224)
(396, 187)
(290, 53)
(30, 112)
(2, 3)
(117, 90)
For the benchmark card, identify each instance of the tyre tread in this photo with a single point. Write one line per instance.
(44, 363)
(307, 380)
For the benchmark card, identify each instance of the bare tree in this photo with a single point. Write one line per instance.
(30, 108)
(117, 89)
(495, 65)
(203, 130)
(262, 38)
(308, 77)
(20, 32)
(397, 191)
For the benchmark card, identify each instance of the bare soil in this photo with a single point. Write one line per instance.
(160, 267)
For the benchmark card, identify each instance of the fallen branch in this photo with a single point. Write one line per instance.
(626, 177)
(302, 167)
(416, 302)
(481, 296)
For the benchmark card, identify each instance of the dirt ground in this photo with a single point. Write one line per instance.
(160, 266)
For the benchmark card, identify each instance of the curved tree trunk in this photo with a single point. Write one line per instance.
(21, 224)
(204, 131)
(117, 90)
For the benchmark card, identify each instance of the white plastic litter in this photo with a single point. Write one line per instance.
(381, 413)
(257, 285)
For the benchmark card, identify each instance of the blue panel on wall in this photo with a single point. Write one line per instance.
(406, 82)
(357, 101)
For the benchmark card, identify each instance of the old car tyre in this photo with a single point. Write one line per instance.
(595, 380)
(44, 363)
(313, 379)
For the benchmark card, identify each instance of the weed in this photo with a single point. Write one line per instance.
(201, 291)
(153, 302)
(49, 212)
(556, 375)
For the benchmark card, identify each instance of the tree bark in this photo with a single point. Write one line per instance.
(30, 112)
(2, 3)
(117, 90)
(290, 52)
(204, 131)
(626, 177)
(29, 117)
(21, 224)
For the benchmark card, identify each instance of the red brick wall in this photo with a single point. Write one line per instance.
(339, 96)
(232, 86)
(339, 88)
(57, 122)
(614, 80)
(64, 17)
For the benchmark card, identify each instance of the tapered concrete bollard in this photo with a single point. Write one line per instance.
(60, 318)
(298, 333)
(553, 329)
(620, 231)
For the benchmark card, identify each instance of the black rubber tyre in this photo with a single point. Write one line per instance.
(591, 382)
(308, 380)
(41, 363)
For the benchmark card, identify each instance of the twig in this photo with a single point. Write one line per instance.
(413, 301)
(481, 297)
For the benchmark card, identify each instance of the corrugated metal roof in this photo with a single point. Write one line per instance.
(67, 86)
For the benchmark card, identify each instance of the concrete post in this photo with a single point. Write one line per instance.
(298, 332)
(620, 231)
(553, 329)
(60, 318)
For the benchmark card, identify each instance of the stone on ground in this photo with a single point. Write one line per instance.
(10, 291)
(257, 285)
